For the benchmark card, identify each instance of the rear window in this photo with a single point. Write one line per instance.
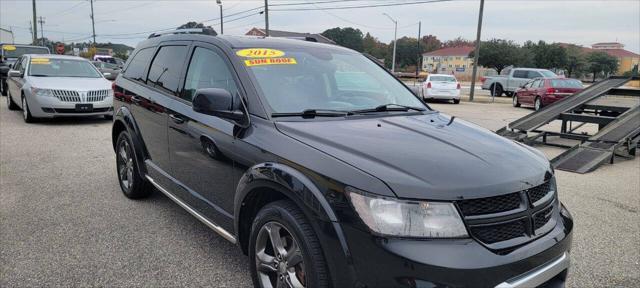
(11, 51)
(166, 67)
(136, 68)
(547, 73)
(566, 83)
(442, 78)
(520, 74)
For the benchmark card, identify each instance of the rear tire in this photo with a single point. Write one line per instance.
(496, 90)
(132, 184)
(537, 105)
(456, 101)
(284, 220)
(516, 102)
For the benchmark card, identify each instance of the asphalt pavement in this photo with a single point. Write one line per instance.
(64, 221)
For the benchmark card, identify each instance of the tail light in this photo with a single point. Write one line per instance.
(458, 87)
(428, 85)
(551, 90)
(482, 79)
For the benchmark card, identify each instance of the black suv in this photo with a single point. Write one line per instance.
(329, 172)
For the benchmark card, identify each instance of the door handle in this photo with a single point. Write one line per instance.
(176, 119)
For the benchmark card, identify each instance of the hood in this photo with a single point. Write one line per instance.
(70, 83)
(428, 156)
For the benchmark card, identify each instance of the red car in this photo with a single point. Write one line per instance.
(541, 92)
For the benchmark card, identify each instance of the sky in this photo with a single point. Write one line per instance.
(577, 22)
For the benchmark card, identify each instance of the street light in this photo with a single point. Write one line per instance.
(221, 19)
(395, 41)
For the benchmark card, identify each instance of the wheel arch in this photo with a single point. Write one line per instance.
(124, 121)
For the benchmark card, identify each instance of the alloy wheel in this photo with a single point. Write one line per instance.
(279, 260)
(25, 108)
(125, 165)
(538, 104)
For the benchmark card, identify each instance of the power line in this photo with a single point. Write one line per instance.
(318, 2)
(67, 11)
(361, 6)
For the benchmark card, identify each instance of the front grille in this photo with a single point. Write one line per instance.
(97, 95)
(542, 217)
(538, 192)
(71, 110)
(518, 221)
(490, 205)
(500, 232)
(66, 95)
(74, 96)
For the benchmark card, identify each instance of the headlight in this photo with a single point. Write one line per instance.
(393, 217)
(41, 92)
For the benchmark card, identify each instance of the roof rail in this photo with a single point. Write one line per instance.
(304, 38)
(205, 31)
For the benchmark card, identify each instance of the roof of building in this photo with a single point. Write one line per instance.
(619, 53)
(607, 43)
(451, 51)
(280, 33)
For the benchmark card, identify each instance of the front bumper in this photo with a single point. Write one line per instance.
(381, 262)
(51, 107)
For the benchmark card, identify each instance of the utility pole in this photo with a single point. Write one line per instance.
(419, 62)
(31, 30)
(35, 26)
(93, 24)
(266, 17)
(395, 41)
(41, 21)
(476, 53)
(221, 19)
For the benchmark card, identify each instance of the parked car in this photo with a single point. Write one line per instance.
(9, 53)
(108, 70)
(105, 58)
(47, 86)
(513, 80)
(541, 92)
(326, 182)
(441, 86)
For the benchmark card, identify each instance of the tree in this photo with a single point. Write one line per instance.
(193, 24)
(458, 42)
(601, 63)
(347, 37)
(430, 43)
(406, 52)
(549, 56)
(576, 62)
(498, 54)
(371, 45)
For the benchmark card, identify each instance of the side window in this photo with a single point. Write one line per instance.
(535, 84)
(18, 64)
(528, 85)
(23, 64)
(541, 84)
(166, 67)
(207, 69)
(136, 68)
(520, 74)
(533, 74)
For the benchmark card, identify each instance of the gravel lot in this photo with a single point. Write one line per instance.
(64, 222)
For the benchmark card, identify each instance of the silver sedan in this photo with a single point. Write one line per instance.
(47, 86)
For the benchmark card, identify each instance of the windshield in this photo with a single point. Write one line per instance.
(322, 79)
(547, 73)
(51, 67)
(566, 83)
(11, 51)
(442, 78)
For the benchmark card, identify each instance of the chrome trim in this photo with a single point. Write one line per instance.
(545, 198)
(539, 275)
(213, 226)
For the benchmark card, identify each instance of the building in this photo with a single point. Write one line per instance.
(607, 45)
(286, 34)
(454, 61)
(6, 36)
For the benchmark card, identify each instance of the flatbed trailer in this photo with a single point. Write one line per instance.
(618, 126)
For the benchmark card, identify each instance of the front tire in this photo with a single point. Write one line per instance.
(131, 182)
(10, 104)
(496, 90)
(284, 249)
(26, 113)
(537, 105)
(516, 102)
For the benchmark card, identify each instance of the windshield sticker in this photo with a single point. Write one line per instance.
(270, 61)
(260, 53)
(8, 47)
(40, 61)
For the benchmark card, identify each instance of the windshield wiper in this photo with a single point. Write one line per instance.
(389, 107)
(312, 113)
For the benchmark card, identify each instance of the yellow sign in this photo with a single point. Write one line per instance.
(260, 53)
(270, 61)
(40, 61)
(8, 47)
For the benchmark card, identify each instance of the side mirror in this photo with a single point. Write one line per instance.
(220, 103)
(15, 73)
